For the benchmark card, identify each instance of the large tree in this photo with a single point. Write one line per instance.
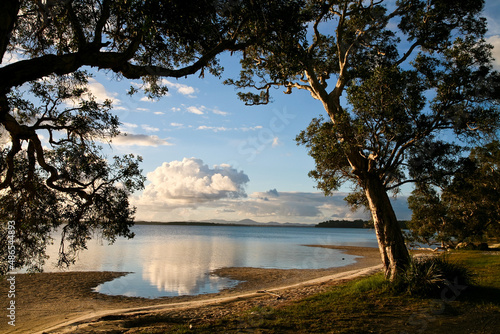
(48, 51)
(463, 209)
(395, 79)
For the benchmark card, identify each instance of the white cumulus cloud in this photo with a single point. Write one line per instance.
(191, 182)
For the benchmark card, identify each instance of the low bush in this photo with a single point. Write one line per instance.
(428, 276)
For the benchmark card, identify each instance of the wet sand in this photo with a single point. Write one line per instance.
(47, 299)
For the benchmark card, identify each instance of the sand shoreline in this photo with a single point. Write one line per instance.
(46, 299)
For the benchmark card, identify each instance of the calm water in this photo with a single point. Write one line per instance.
(178, 260)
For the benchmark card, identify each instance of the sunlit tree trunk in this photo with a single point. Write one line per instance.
(390, 238)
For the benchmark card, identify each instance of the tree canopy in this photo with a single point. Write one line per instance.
(406, 85)
(464, 209)
(52, 172)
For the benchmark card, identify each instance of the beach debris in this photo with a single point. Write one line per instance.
(278, 297)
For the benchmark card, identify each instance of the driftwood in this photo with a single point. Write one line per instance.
(278, 297)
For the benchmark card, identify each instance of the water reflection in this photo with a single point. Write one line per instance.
(182, 267)
(173, 261)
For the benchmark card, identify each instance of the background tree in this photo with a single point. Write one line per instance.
(411, 72)
(46, 49)
(467, 209)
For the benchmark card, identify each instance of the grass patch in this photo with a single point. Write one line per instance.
(370, 305)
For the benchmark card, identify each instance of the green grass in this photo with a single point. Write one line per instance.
(370, 305)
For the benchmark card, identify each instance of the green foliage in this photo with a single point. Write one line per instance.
(332, 168)
(358, 223)
(466, 210)
(429, 276)
(74, 188)
(394, 78)
(67, 184)
(399, 99)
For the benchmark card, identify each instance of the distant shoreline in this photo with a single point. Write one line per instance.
(222, 224)
(330, 224)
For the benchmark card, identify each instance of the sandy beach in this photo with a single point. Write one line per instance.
(65, 302)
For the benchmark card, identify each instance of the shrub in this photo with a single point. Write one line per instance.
(428, 276)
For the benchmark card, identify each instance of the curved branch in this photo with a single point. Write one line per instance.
(317, 34)
(27, 70)
(408, 53)
(21, 132)
(54, 174)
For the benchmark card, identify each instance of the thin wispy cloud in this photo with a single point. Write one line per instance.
(128, 127)
(223, 128)
(149, 128)
(213, 128)
(129, 139)
(186, 90)
(196, 110)
(251, 128)
(147, 99)
(219, 112)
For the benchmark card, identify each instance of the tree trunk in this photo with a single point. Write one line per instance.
(390, 238)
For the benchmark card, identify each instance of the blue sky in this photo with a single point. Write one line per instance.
(208, 156)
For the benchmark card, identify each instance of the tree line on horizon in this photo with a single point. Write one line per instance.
(356, 223)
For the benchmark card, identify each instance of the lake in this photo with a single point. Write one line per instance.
(169, 260)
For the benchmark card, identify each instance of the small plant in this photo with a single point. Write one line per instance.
(428, 276)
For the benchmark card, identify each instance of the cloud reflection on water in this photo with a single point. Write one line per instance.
(178, 260)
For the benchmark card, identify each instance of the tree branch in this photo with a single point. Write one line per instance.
(105, 12)
(54, 174)
(77, 28)
(8, 17)
(27, 70)
(407, 54)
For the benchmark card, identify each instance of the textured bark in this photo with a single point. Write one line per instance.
(390, 238)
